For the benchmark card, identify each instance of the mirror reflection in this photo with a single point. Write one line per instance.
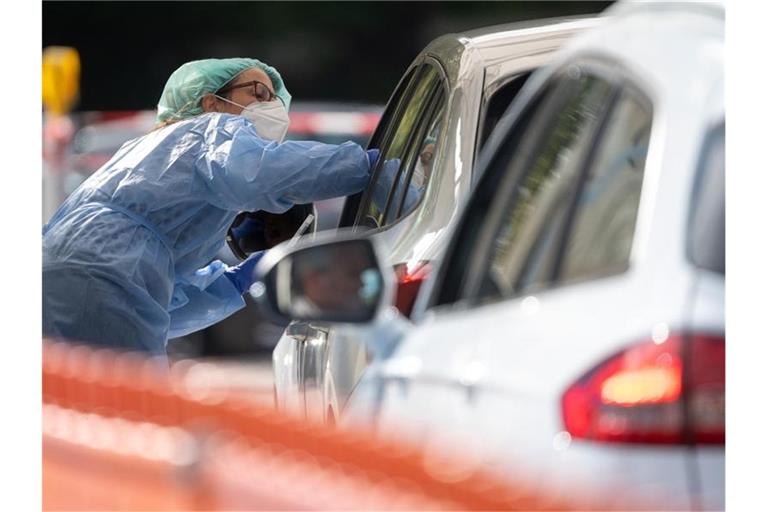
(338, 281)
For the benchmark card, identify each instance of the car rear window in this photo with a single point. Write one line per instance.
(706, 237)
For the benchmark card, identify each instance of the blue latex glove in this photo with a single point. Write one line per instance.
(242, 275)
(249, 227)
(373, 156)
(249, 234)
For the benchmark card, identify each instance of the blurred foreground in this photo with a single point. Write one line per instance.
(121, 432)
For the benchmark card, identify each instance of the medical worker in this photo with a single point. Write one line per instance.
(127, 257)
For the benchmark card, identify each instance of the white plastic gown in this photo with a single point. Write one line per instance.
(126, 257)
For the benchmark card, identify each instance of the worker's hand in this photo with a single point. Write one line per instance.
(249, 227)
(242, 275)
(373, 156)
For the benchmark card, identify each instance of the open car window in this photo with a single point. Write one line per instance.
(391, 114)
(397, 150)
(417, 169)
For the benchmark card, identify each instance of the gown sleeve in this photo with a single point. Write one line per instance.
(202, 300)
(245, 172)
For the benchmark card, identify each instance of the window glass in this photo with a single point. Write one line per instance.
(393, 159)
(352, 204)
(498, 103)
(707, 234)
(461, 260)
(604, 224)
(536, 205)
(414, 182)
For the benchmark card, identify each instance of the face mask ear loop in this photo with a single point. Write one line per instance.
(229, 101)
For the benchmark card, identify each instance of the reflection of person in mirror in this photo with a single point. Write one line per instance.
(332, 280)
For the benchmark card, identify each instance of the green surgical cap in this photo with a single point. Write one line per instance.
(193, 80)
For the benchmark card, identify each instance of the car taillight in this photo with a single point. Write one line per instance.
(669, 392)
(409, 280)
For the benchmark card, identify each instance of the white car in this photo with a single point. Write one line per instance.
(574, 331)
(436, 122)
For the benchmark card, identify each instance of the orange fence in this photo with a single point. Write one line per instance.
(121, 432)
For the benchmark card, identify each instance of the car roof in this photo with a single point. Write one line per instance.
(688, 41)
(714, 8)
(479, 49)
(492, 33)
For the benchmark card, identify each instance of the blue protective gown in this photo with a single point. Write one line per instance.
(126, 259)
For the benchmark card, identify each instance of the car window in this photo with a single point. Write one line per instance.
(386, 124)
(498, 103)
(600, 240)
(394, 151)
(706, 236)
(413, 183)
(533, 210)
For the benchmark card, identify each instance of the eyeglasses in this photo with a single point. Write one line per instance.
(261, 91)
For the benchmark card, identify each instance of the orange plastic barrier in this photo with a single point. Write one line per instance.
(122, 432)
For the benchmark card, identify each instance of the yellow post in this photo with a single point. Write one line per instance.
(61, 79)
(61, 90)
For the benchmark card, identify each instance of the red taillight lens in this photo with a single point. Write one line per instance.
(672, 392)
(409, 280)
(706, 401)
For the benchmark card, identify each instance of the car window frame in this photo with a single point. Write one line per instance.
(501, 87)
(440, 87)
(444, 293)
(447, 286)
(392, 113)
(437, 101)
(472, 288)
(408, 162)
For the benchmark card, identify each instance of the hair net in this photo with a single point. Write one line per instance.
(193, 80)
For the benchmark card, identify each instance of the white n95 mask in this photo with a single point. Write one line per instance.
(269, 118)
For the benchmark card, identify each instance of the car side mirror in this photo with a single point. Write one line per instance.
(331, 279)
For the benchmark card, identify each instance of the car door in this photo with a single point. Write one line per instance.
(399, 181)
(405, 137)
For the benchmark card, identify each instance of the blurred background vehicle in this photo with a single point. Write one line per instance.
(576, 323)
(437, 120)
